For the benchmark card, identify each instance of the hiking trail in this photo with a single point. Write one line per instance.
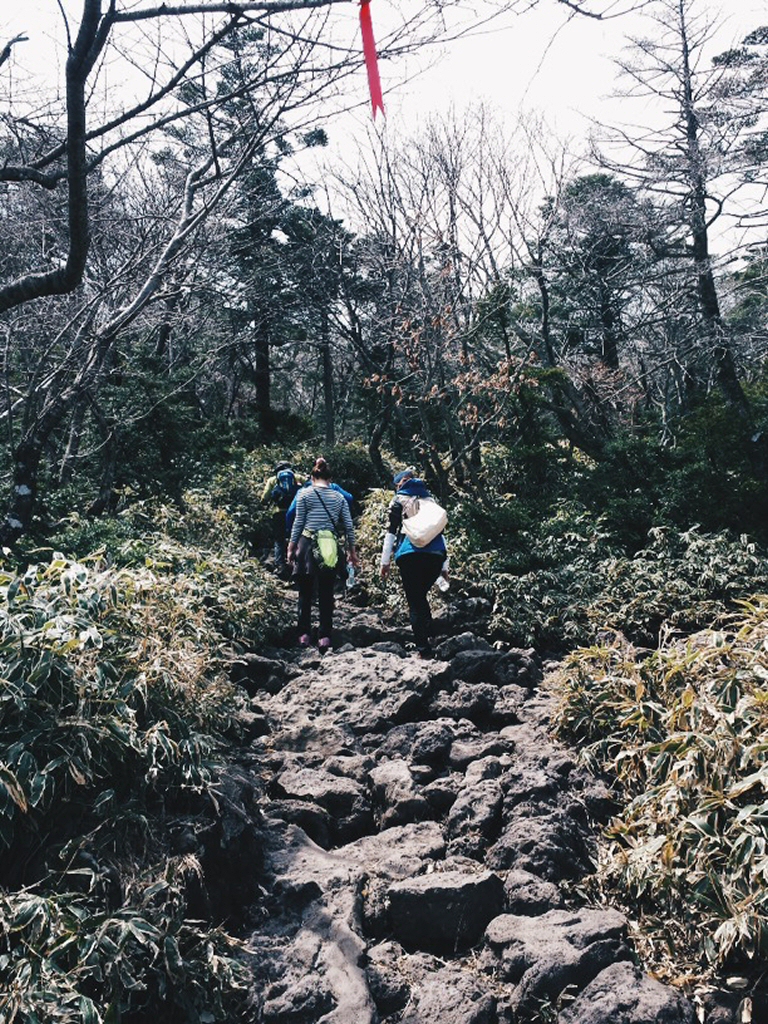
(413, 837)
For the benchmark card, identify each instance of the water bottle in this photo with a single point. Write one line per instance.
(442, 583)
(350, 576)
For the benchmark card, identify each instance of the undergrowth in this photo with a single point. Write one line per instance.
(114, 704)
(683, 731)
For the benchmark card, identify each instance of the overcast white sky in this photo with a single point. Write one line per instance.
(546, 62)
(547, 59)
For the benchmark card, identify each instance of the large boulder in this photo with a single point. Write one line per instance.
(451, 996)
(501, 668)
(545, 954)
(621, 994)
(444, 912)
(356, 693)
(386, 978)
(346, 802)
(466, 641)
(551, 845)
(255, 673)
(475, 701)
(475, 817)
(396, 794)
(527, 894)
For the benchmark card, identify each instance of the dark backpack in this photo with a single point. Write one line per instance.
(285, 489)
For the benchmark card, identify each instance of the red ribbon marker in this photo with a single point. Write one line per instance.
(371, 60)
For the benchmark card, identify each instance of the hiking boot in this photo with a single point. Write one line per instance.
(305, 640)
(324, 644)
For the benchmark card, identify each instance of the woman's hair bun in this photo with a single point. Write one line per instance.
(321, 469)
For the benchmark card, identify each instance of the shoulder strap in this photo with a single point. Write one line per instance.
(334, 525)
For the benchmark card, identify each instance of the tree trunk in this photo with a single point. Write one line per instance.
(263, 374)
(67, 468)
(108, 431)
(374, 444)
(24, 492)
(610, 345)
(709, 304)
(325, 348)
(565, 401)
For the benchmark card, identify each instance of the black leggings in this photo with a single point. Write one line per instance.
(325, 585)
(418, 572)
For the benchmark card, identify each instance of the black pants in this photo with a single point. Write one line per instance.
(418, 572)
(306, 586)
(279, 537)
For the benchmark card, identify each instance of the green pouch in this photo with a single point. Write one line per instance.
(325, 547)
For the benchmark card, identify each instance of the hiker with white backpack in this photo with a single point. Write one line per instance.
(415, 524)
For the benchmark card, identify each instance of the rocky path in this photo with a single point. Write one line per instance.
(421, 837)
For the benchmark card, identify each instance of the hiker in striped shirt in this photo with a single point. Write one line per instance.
(318, 507)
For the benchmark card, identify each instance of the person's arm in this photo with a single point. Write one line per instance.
(298, 524)
(269, 486)
(340, 489)
(349, 530)
(290, 515)
(394, 522)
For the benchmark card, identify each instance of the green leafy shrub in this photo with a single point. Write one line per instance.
(112, 703)
(559, 583)
(684, 732)
(66, 960)
(97, 707)
(708, 477)
(236, 491)
(370, 528)
(682, 580)
(583, 583)
(194, 565)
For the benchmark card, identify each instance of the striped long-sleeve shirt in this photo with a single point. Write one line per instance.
(320, 508)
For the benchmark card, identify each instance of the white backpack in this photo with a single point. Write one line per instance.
(423, 520)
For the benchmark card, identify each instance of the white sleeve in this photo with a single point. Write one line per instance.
(387, 548)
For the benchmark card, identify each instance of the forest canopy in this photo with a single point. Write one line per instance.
(178, 298)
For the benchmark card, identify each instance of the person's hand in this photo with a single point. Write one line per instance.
(291, 554)
(384, 571)
(353, 558)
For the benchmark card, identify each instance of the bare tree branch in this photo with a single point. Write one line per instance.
(237, 8)
(5, 53)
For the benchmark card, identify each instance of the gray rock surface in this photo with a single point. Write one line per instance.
(620, 994)
(527, 894)
(452, 996)
(543, 955)
(444, 912)
(387, 983)
(418, 828)
(395, 791)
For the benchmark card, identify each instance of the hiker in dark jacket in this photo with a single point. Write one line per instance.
(419, 567)
(318, 507)
(279, 493)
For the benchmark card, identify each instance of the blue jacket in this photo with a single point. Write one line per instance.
(419, 489)
(290, 515)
